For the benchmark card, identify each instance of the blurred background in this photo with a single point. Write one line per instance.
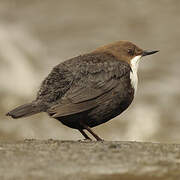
(37, 35)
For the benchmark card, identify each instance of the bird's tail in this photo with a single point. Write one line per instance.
(24, 110)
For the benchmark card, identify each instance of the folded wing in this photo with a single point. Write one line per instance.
(93, 81)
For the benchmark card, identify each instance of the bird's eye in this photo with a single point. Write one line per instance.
(131, 52)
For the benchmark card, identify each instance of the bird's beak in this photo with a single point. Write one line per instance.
(145, 53)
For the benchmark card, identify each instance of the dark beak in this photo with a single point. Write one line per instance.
(145, 53)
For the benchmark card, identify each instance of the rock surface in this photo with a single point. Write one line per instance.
(54, 159)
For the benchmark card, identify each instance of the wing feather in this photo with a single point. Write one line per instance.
(90, 86)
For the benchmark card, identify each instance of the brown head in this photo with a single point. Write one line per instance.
(124, 50)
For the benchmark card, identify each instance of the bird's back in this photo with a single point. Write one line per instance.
(92, 86)
(84, 70)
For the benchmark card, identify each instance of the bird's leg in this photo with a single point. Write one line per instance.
(90, 131)
(95, 135)
(85, 135)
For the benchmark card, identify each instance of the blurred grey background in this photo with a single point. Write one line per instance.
(38, 34)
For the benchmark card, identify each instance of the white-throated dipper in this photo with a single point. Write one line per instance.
(89, 89)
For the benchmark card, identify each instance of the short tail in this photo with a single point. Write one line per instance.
(24, 110)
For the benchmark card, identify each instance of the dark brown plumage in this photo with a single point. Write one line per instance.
(87, 90)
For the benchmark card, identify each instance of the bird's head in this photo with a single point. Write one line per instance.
(125, 51)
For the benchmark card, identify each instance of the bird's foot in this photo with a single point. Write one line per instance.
(85, 140)
(99, 139)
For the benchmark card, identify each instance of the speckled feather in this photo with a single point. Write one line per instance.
(93, 87)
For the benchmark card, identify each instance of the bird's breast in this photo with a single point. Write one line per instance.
(133, 73)
(134, 80)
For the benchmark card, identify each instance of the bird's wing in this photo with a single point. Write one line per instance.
(94, 79)
(55, 85)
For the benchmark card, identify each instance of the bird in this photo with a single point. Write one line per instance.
(89, 89)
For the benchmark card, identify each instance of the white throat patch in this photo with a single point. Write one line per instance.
(133, 73)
